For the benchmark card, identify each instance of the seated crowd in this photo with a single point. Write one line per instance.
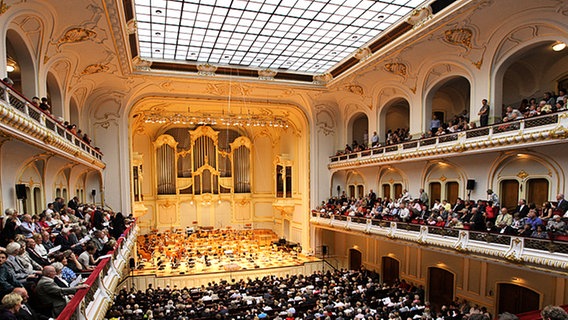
(43, 105)
(549, 103)
(338, 294)
(45, 257)
(481, 215)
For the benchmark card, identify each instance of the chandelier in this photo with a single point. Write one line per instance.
(224, 119)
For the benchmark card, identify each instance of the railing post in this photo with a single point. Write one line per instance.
(42, 119)
(26, 109)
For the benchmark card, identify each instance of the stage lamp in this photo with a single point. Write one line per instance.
(10, 68)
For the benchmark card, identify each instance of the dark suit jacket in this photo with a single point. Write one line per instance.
(37, 258)
(562, 206)
(523, 212)
(31, 315)
(50, 293)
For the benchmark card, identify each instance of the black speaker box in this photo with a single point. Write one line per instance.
(470, 184)
(131, 263)
(324, 250)
(21, 191)
(93, 192)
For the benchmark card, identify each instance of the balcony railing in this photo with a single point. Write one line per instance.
(474, 138)
(93, 302)
(16, 101)
(551, 253)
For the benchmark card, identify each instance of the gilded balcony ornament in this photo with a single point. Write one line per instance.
(75, 35)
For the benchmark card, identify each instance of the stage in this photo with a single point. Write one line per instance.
(220, 251)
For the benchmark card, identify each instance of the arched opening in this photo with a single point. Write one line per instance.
(447, 101)
(74, 113)
(355, 259)
(18, 55)
(516, 299)
(54, 96)
(360, 131)
(440, 287)
(395, 117)
(391, 270)
(529, 74)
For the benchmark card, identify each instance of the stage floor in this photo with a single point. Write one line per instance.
(198, 265)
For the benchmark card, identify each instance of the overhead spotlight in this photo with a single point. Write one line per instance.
(558, 46)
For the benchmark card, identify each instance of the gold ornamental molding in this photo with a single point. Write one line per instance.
(75, 35)
(400, 69)
(95, 68)
(459, 37)
(522, 174)
(3, 7)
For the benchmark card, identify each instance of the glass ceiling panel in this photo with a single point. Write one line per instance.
(303, 36)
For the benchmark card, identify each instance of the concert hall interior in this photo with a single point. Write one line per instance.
(418, 142)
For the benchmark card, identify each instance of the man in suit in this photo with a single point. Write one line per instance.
(73, 203)
(52, 294)
(8, 279)
(26, 312)
(562, 205)
(522, 208)
(30, 249)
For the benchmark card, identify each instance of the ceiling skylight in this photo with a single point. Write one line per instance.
(294, 35)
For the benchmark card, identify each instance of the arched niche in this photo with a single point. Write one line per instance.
(444, 181)
(447, 99)
(79, 187)
(394, 115)
(31, 177)
(61, 185)
(392, 182)
(530, 176)
(55, 95)
(355, 184)
(358, 129)
(74, 115)
(24, 75)
(531, 72)
(338, 183)
(527, 48)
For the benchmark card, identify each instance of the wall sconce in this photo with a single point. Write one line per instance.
(558, 46)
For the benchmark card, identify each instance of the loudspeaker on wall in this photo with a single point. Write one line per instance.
(324, 250)
(470, 184)
(21, 191)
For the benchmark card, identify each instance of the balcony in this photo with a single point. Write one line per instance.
(20, 119)
(545, 129)
(93, 302)
(530, 252)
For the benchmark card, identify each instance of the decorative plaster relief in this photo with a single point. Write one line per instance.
(75, 35)
(3, 7)
(464, 37)
(131, 26)
(31, 26)
(325, 121)
(419, 16)
(95, 68)
(363, 54)
(235, 89)
(141, 64)
(322, 78)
